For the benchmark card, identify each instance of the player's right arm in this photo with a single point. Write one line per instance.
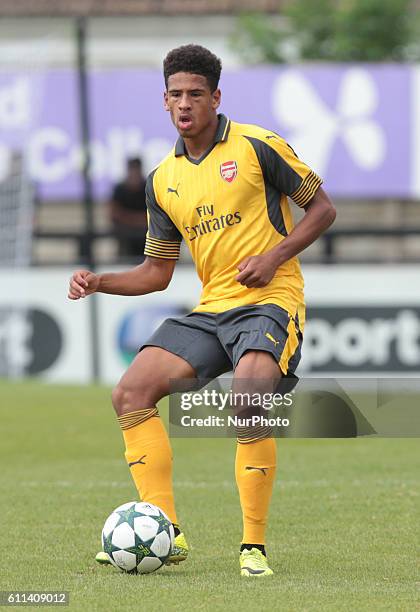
(153, 275)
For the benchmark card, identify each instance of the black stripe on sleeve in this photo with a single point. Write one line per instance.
(306, 190)
(161, 249)
(163, 237)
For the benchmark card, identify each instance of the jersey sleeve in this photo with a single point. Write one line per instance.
(163, 240)
(283, 169)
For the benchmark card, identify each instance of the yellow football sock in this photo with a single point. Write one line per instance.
(149, 457)
(255, 469)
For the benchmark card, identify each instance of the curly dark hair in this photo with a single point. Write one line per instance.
(196, 60)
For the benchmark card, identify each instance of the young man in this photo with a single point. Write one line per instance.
(223, 189)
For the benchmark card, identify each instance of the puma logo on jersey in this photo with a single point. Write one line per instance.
(138, 461)
(170, 190)
(270, 337)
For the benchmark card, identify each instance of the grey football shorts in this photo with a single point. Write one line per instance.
(214, 343)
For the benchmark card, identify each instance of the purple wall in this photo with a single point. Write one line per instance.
(351, 123)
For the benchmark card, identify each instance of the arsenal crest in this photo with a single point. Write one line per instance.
(229, 171)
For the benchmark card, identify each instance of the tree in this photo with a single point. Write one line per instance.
(332, 30)
(312, 28)
(374, 31)
(257, 40)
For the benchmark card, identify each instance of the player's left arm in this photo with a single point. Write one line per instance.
(320, 213)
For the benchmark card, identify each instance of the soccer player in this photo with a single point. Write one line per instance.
(223, 189)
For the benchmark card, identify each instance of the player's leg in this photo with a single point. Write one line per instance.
(148, 452)
(264, 344)
(179, 349)
(255, 464)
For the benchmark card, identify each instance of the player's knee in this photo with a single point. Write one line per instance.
(251, 396)
(118, 398)
(128, 399)
(257, 365)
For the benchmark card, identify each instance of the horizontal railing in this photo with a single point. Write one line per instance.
(329, 241)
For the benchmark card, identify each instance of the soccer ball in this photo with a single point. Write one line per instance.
(138, 537)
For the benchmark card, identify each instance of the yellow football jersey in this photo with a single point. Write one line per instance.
(230, 204)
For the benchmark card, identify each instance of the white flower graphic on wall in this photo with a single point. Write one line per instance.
(314, 127)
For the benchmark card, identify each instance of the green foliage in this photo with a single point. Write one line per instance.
(312, 27)
(332, 30)
(373, 30)
(256, 39)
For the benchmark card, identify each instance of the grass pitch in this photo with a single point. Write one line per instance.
(342, 532)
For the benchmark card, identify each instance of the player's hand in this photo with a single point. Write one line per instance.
(82, 283)
(256, 271)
